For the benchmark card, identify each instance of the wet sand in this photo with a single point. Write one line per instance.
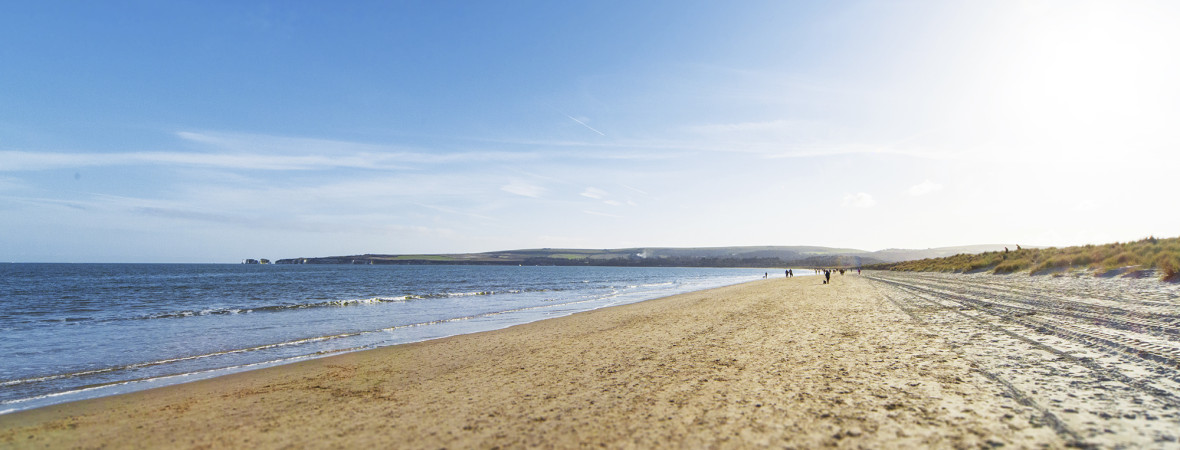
(779, 362)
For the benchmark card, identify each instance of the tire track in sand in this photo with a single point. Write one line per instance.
(1092, 389)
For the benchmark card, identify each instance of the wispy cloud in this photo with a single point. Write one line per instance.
(681, 145)
(14, 161)
(11, 184)
(387, 192)
(119, 204)
(594, 193)
(300, 212)
(604, 197)
(602, 214)
(804, 138)
(641, 191)
(385, 153)
(858, 200)
(258, 152)
(40, 201)
(925, 187)
(584, 124)
(523, 189)
(454, 211)
(777, 125)
(614, 150)
(201, 216)
(1086, 206)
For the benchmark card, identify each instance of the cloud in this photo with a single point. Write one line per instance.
(53, 202)
(523, 189)
(641, 191)
(858, 200)
(781, 125)
(258, 152)
(766, 145)
(267, 144)
(182, 214)
(599, 194)
(602, 214)
(12, 184)
(925, 187)
(583, 123)
(454, 211)
(594, 193)
(1086, 206)
(29, 161)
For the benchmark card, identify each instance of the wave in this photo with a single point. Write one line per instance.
(295, 342)
(207, 372)
(141, 365)
(647, 285)
(34, 390)
(341, 303)
(292, 306)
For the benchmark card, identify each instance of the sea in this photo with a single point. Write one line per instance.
(75, 331)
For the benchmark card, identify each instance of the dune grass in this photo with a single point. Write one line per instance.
(1151, 253)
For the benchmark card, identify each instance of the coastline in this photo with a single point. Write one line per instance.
(770, 362)
(231, 318)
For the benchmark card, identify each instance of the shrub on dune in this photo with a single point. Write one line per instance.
(1122, 259)
(1152, 252)
(1169, 266)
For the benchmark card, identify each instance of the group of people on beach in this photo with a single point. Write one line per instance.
(827, 273)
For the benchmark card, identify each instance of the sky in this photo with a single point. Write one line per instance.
(213, 131)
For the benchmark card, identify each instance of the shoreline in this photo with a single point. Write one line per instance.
(385, 324)
(768, 362)
(164, 381)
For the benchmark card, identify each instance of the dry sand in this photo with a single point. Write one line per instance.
(780, 362)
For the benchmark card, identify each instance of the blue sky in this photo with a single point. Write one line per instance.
(215, 131)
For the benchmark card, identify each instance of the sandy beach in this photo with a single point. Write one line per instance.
(779, 362)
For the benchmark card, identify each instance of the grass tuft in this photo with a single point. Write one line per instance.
(1169, 265)
(1150, 253)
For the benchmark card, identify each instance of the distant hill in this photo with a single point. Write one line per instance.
(747, 256)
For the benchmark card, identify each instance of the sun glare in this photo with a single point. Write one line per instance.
(1084, 78)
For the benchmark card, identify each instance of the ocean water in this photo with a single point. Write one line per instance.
(75, 331)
